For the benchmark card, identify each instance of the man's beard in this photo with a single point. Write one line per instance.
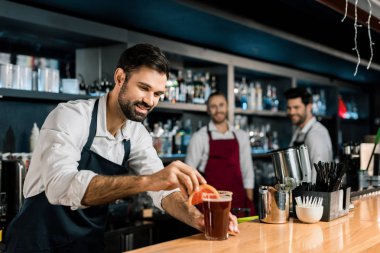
(129, 111)
(219, 120)
(301, 120)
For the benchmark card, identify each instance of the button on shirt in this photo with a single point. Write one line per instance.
(317, 141)
(54, 163)
(198, 150)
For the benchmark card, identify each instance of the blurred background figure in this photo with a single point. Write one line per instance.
(223, 154)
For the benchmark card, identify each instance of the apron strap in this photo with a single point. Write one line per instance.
(94, 121)
(209, 133)
(127, 151)
(304, 138)
(91, 136)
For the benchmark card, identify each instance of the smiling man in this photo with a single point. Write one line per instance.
(93, 152)
(309, 131)
(223, 154)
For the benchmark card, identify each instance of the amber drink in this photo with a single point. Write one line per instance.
(216, 214)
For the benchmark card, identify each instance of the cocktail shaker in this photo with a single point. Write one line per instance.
(273, 205)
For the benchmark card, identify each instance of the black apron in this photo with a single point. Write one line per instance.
(43, 227)
(299, 143)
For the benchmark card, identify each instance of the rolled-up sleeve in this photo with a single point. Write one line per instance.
(56, 157)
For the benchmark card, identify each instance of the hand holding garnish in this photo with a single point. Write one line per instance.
(196, 198)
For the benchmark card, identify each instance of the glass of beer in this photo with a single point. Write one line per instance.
(216, 214)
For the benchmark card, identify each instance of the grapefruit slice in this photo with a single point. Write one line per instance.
(196, 197)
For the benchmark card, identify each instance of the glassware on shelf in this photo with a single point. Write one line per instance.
(193, 88)
(259, 96)
(186, 136)
(252, 96)
(275, 101)
(267, 99)
(243, 94)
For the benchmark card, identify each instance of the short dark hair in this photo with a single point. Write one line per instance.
(299, 93)
(216, 93)
(141, 55)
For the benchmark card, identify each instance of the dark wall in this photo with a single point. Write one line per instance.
(16, 122)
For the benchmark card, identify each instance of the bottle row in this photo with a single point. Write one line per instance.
(171, 139)
(251, 97)
(191, 88)
(261, 137)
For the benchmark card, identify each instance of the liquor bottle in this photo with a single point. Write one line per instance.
(323, 102)
(275, 101)
(237, 94)
(33, 137)
(214, 86)
(182, 87)
(172, 89)
(207, 90)
(252, 96)
(178, 133)
(244, 94)
(186, 136)
(259, 96)
(267, 100)
(198, 90)
(189, 86)
(166, 140)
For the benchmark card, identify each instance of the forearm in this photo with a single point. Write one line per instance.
(249, 194)
(176, 205)
(106, 189)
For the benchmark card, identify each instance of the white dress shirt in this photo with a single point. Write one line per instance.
(317, 141)
(54, 163)
(199, 149)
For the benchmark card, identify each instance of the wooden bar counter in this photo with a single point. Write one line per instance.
(358, 231)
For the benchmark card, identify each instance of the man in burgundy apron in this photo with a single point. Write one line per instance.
(224, 173)
(222, 169)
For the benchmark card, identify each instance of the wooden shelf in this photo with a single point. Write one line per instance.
(260, 113)
(354, 121)
(181, 106)
(37, 95)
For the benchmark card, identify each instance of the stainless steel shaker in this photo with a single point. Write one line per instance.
(308, 173)
(293, 162)
(286, 164)
(273, 205)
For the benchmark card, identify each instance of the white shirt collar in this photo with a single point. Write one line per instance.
(212, 127)
(101, 130)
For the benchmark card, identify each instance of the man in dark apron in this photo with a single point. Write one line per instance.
(223, 155)
(309, 131)
(84, 157)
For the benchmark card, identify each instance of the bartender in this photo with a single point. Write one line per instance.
(308, 130)
(93, 152)
(223, 154)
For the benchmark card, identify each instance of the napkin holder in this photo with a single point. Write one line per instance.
(335, 204)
